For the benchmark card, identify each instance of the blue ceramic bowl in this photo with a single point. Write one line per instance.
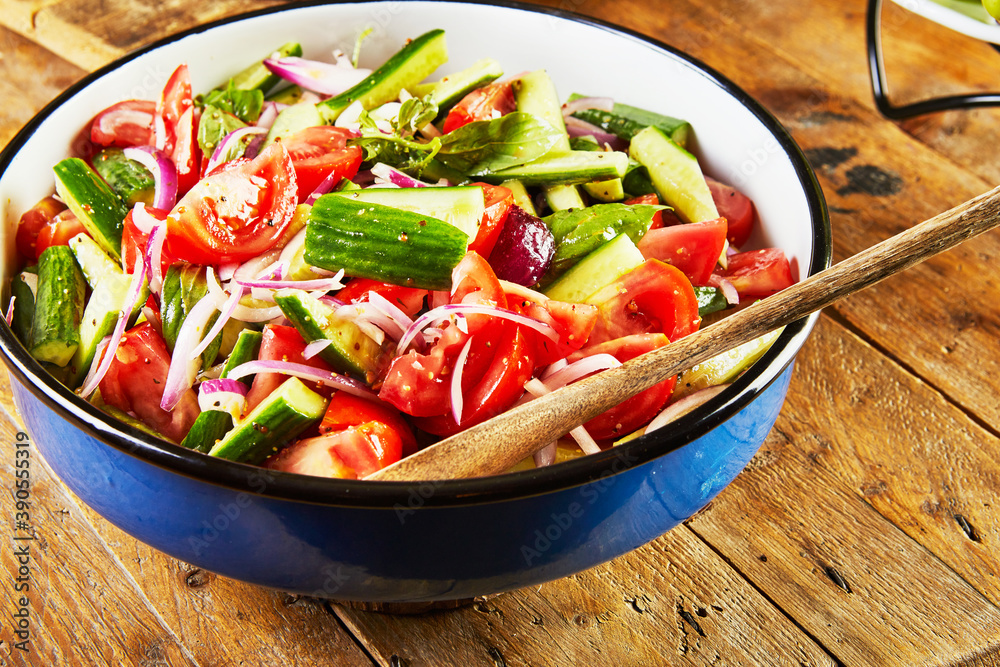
(402, 542)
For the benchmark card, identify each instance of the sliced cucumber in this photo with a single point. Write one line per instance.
(129, 179)
(351, 350)
(521, 196)
(183, 287)
(278, 419)
(93, 202)
(292, 119)
(597, 270)
(676, 175)
(258, 76)
(92, 259)
(564, 168)
(724, 368)
(388, 244)
(447, 92)
(563, 197)
(100, 317)
(411, 65)
(461, 206)
(59, 304)
(605, 191)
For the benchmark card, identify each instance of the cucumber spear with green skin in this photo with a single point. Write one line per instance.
(993, 7)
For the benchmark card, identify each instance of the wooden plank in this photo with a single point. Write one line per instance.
(857, 583)
(83, 607)
(670, 602)
(30, 76)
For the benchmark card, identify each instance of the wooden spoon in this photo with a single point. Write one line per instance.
(495, 445)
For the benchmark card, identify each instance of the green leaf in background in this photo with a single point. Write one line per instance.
(487, 146)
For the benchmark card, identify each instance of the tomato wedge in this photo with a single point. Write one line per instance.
(134, 384)
(652, 298)
(638, 410)
(321, 152)
(280, 343)
(736, 208)
(58, 231)
(134, 241)
(481, 104)
(498, 202)
(759, 272)
(174, 127)
(694, 248)
(651, 199)
(125, 124)
(346, 410)
(235, 213)
(408, 299)
(32, 222)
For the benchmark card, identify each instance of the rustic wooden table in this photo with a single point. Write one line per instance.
(866, 531)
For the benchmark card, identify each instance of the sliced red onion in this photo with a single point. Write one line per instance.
(587, 444)
(370, 320)
(386, 174)
(446, 311)
(223, 395)
(601, 103)
(154, 257)
(315, 347)
(522, 292)
(324, 284)
(401, 320)
(226, 313)
(268, 114)
(163, 170)
(315, 75)
(579, 369)
(581, 128)
(131, 298)
(683, 406)
(9, 316)
(546, 456)
(227, 270)
(94, 366)
(143, 220)
(183, 365)
(457, 400)
(240, 312)
(524, 248)
(230, 147)
(727, 288)
(256, 266)
(304, 372)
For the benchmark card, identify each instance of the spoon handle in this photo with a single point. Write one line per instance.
(497, 444)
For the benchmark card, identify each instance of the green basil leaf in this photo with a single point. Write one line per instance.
(486, 146)
(244, 104)
(214, 125)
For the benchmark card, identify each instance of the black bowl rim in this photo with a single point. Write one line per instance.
(404, 495)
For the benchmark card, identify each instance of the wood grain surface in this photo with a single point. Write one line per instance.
(865, 532)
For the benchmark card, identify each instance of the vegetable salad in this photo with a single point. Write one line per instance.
(321, 268)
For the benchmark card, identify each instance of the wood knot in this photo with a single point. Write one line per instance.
(197, 578)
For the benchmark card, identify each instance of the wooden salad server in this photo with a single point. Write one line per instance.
(499, 443)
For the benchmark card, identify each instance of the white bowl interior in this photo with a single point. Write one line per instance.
(733, 145)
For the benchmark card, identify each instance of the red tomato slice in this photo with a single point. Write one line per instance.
(480, 105)
(236, 213)
(498, 202)
(759, 272)
(408, 299)
(58, 231)
(281, 343)
(134, 384)
(318, 152)
(128, 123)
(32, 222)
(347, 410)
(649, 199)
(512, 366)
(638, 410)
(134, 241)
(174, 127)
(652, 298)
(312, 456)
(736, 208)
(572, 321)
(693, 248)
